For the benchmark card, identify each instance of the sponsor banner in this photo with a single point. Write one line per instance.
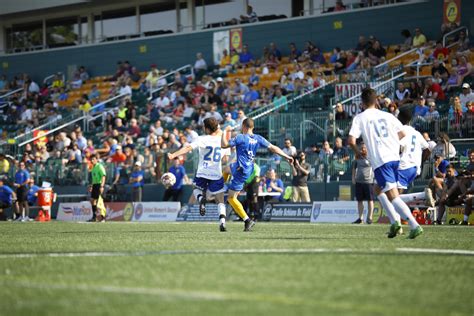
(295, 212)
(155, 211)
(119, 211)
(452, 11)
(220, 42)
(78, 212)
(236, 40)
(345, 91)
(334, 212)
(190, 213)
(455, 215)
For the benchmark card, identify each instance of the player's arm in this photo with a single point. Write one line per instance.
(224, 141)
(352, 142)
(179, 152)
(277, 150)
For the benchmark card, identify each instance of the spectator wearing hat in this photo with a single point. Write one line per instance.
(228, 121)
(137, 181)
(466, 95)
(420, 109)
(7, 196)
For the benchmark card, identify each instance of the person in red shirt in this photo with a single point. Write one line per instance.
(441, 53)
(118, 156)
(134, 129)
(433, 90)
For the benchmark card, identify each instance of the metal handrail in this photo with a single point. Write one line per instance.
(10, 93)
(408, 52)
(108, 101)
(169, 74)
(51, 131)
(45, 80)
(374, 87)
(269, 108)
(454, 31)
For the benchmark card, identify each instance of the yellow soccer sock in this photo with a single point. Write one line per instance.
(226, 176)
(238, 208)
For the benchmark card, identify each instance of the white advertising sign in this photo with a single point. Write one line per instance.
(334, 212)
(155, 211)
(76, 212)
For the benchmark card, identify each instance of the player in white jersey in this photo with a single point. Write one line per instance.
(208, 179)
(414, 150)
(381, 132)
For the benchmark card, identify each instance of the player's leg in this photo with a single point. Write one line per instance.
(216, 188)
(199, 192)
(370, 211)
(235, 186)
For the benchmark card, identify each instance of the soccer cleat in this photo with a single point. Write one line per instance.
(47, 217)
(429, 197)
(40, 217)
(357, 221)
(222, 228)
(415, 232)
(202, 206)
(92, 220)
(248, 225)
(369, 221)
(395, 229)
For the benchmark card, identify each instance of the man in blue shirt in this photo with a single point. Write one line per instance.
(6, 198)
(137, 181)
(22, 178)
(251, 96)
(274, 185)
(32, 195)
(421, 108)
(246, 145)
(174, 193)
(246, 57)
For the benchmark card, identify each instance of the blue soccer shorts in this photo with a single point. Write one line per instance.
(386, 176)
(211, 186)
(406, 177)
(239, 176)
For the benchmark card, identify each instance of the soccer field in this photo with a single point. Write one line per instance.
(192, 269)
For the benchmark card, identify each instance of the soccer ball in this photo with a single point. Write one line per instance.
(168, 179)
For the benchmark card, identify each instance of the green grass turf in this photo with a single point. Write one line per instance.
(373, 279)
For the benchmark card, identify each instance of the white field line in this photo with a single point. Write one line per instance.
(237, 251)
(122, 290)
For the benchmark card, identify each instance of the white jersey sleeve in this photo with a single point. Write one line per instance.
(413, 145)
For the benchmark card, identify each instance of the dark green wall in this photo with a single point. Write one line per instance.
(174, 51)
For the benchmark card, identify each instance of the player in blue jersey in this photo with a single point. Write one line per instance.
(246, 145)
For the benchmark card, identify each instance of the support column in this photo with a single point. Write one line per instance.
(90, 28)
(3, 42)
(178, 15)
(191, 7)
(44, 33)
(138, 28)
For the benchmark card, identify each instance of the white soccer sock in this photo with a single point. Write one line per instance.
(221, 209)
(388, 207)
(197, 194)
(404, 212)
(412, 197)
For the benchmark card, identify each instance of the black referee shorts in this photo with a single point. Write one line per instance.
(95, 193)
